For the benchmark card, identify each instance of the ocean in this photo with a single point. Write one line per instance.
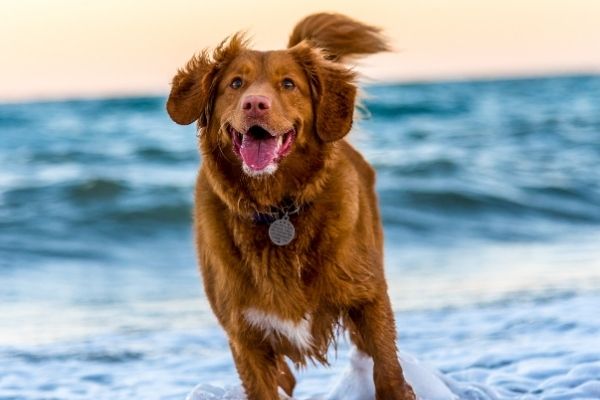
(490, 199)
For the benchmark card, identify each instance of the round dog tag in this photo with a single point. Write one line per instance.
(281, 231)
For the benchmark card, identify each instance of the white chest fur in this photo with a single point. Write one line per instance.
(297, 332)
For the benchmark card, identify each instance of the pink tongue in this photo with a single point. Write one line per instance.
(258, 153)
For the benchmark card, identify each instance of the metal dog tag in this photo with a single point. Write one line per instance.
(281, 231)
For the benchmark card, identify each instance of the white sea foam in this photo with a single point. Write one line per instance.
(356, 383)
(526, 348)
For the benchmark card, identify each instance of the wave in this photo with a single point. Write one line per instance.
(101, 204)
(157, 154)
(94, 189)
(397, 111)
(101, 207)
(75, 355)
(472, 203)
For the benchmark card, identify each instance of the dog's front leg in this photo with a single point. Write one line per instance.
(256, 364)
(374, 333)
(285, 378)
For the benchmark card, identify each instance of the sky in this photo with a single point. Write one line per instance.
(74, 48)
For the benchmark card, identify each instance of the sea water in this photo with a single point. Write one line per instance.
(490, 198)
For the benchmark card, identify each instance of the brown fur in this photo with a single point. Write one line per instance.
(333, 269)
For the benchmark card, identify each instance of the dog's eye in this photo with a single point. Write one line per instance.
(288, 84)
(236, 83)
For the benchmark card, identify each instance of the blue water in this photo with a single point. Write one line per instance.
(490, 196)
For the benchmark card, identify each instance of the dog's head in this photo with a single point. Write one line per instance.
(260, 109)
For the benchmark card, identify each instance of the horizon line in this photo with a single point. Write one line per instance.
(363, 81)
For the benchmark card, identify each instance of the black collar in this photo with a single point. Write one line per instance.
(287, 207)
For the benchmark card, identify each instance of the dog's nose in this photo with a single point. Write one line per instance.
(256, 106)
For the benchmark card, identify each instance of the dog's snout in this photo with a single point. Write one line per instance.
(256, 106)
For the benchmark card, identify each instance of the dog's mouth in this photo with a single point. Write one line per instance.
(258, 148)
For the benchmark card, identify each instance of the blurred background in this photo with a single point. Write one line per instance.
(484, 128)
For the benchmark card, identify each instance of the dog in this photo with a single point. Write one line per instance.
(287, 226)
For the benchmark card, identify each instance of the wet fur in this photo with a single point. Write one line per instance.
(333, 269)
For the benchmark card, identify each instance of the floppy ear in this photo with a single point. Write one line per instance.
(194, 86)
(335, 102)
(333, 92)
(190, 95)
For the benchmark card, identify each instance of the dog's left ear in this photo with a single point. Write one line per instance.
(335, 102)
(333, 91)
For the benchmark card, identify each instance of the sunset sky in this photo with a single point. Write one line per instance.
(74, 48)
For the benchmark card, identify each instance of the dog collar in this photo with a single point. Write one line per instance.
(288, 207)
(281, 229)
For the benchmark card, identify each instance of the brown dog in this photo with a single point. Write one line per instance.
(287, 224)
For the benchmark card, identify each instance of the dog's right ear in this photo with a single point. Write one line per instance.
(194, 86)
(190, 91)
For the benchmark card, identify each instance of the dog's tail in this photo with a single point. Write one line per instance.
(339, 36)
